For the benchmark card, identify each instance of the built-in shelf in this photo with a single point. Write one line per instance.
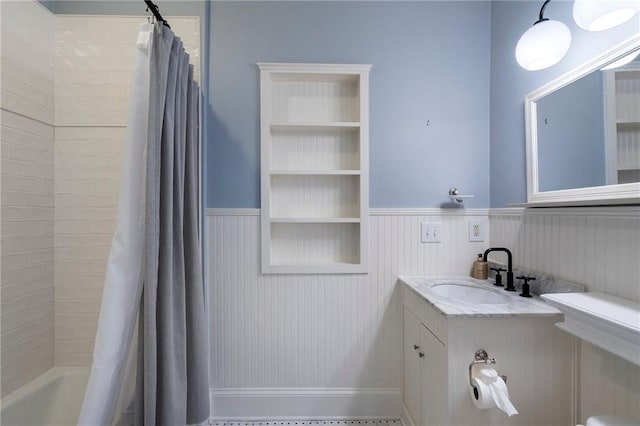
(631, 122)
(327, 268)
(315, 220)
(609, 322)
(316, 172)
(319, 125)
(630, 167)
(622, 124)
(314, 162)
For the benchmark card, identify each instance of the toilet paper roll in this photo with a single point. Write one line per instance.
(500, 395)
(481, 394)
(490, 391)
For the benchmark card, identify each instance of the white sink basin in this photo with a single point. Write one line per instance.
(469, 293)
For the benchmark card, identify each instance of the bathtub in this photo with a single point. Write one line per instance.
(54, 398)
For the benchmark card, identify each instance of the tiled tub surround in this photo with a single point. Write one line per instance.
(27, 165)
(598, 247)
(521, 336)
(65, 84)
(93, 68)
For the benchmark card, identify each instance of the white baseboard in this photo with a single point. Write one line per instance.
(305, 404)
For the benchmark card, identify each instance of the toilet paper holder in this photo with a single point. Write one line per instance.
(481, 357)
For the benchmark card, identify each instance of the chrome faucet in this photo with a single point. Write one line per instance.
(510, 286)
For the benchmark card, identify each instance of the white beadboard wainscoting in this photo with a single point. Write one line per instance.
(598, 247)
(319, 346)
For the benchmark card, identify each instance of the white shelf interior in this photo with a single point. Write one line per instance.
(629, 146)
(315, 244)
(627, 95)
(315, 196)
(315, 149)
(315, 98)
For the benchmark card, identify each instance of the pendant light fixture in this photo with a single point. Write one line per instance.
(544, 44)
(600, 15)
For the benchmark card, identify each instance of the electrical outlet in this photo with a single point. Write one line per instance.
(430, 232)
(476, 230)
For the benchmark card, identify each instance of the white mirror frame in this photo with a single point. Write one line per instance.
(628, 193)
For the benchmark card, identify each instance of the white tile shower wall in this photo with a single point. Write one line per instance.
(95, 57)
(319, 331)
(94, 65)
(599, 247)
(27, 60)
(87, 179)
(26, 135)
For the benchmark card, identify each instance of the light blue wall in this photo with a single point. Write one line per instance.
(431, 61)
(510, 84)
(571, 149)
(430, 64)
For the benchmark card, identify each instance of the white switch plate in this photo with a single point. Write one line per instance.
(476, 230)
(430, 232)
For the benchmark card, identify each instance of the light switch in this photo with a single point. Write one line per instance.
(430, 232)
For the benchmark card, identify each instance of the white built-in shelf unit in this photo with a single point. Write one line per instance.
(314, 138)
(623, 124)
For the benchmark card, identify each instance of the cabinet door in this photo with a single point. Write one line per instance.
(411, 382)
(433, 380)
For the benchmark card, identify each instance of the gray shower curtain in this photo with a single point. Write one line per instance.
(174, 370)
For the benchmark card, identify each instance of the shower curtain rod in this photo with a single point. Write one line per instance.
(156, 12)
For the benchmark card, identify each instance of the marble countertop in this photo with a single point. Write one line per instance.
(516, 306)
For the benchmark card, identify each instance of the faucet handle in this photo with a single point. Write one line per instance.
(498, 278)
(525, 285)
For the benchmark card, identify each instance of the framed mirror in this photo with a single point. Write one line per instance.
(583, 133)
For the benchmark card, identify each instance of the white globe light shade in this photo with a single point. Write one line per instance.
(600, 15)
(543, 45)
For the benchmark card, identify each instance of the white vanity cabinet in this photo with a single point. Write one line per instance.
(425, 361)
(433, 379)
(411, 362)
(425, 364)
(314, 121)
(528, 348)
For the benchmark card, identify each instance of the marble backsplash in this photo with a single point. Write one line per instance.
(543, 283)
